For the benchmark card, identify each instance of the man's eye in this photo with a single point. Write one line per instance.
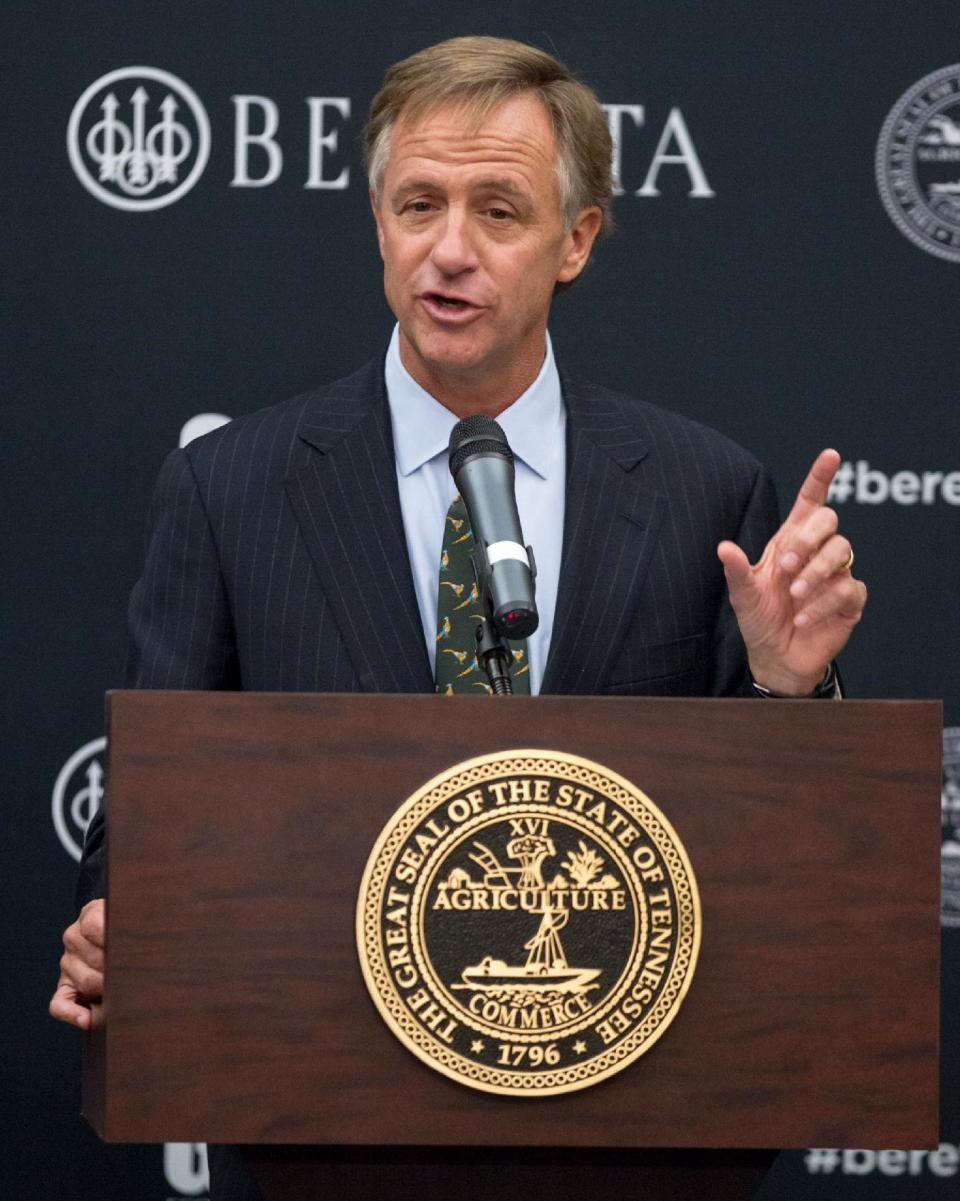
(499, 214)
(419, 206)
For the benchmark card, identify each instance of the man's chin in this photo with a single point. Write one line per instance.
(441, 352)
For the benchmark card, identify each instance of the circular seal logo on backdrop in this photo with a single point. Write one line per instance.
(528, 923)
(918, 163)
(77, 795)
(138, 138)
(950, 815)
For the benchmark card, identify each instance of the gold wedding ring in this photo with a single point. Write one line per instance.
(848, 566)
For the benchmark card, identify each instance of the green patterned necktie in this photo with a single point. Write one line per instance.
(459, 612)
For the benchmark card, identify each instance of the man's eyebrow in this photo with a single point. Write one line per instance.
(505, 187)
(498, 184)
(410, 186)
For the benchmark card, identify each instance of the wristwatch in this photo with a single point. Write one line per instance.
(827, 690)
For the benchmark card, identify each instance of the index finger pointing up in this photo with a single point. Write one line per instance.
(815, 488)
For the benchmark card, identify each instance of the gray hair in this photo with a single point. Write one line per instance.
(481, 73)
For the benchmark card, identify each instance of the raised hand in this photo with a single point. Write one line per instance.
(798, 604)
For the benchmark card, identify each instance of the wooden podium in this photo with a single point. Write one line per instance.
(236, 1012)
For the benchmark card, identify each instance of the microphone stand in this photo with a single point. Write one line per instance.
(494, 654)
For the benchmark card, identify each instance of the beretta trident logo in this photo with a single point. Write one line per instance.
(77, 795)
(138, 138)
(918, 163)
(528, 923)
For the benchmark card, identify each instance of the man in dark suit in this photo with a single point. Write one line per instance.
(287, 550)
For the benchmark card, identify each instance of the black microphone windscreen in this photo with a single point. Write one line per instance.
(477, 435)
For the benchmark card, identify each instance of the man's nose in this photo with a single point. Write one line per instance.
(453, 250)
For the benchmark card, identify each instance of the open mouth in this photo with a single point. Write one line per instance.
(447, 302)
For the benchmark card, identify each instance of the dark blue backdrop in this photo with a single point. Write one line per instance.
(786, 309)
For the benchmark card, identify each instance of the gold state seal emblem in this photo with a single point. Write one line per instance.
(528, 923)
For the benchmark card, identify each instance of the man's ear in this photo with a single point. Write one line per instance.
(376, 216)
(580, 240)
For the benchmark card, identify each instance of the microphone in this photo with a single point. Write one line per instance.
(481, 463)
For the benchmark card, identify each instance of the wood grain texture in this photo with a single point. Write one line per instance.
(239, 827)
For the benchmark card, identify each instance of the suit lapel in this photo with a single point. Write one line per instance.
(348, 508)
(610, 528)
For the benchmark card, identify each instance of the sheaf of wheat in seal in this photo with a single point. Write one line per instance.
(528, 923)
(918, 163)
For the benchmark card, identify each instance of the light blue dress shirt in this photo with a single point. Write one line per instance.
(535, 425)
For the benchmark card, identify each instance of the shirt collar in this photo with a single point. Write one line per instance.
(534, 423)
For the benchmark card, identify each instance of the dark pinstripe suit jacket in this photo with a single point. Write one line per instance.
(276, 557)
